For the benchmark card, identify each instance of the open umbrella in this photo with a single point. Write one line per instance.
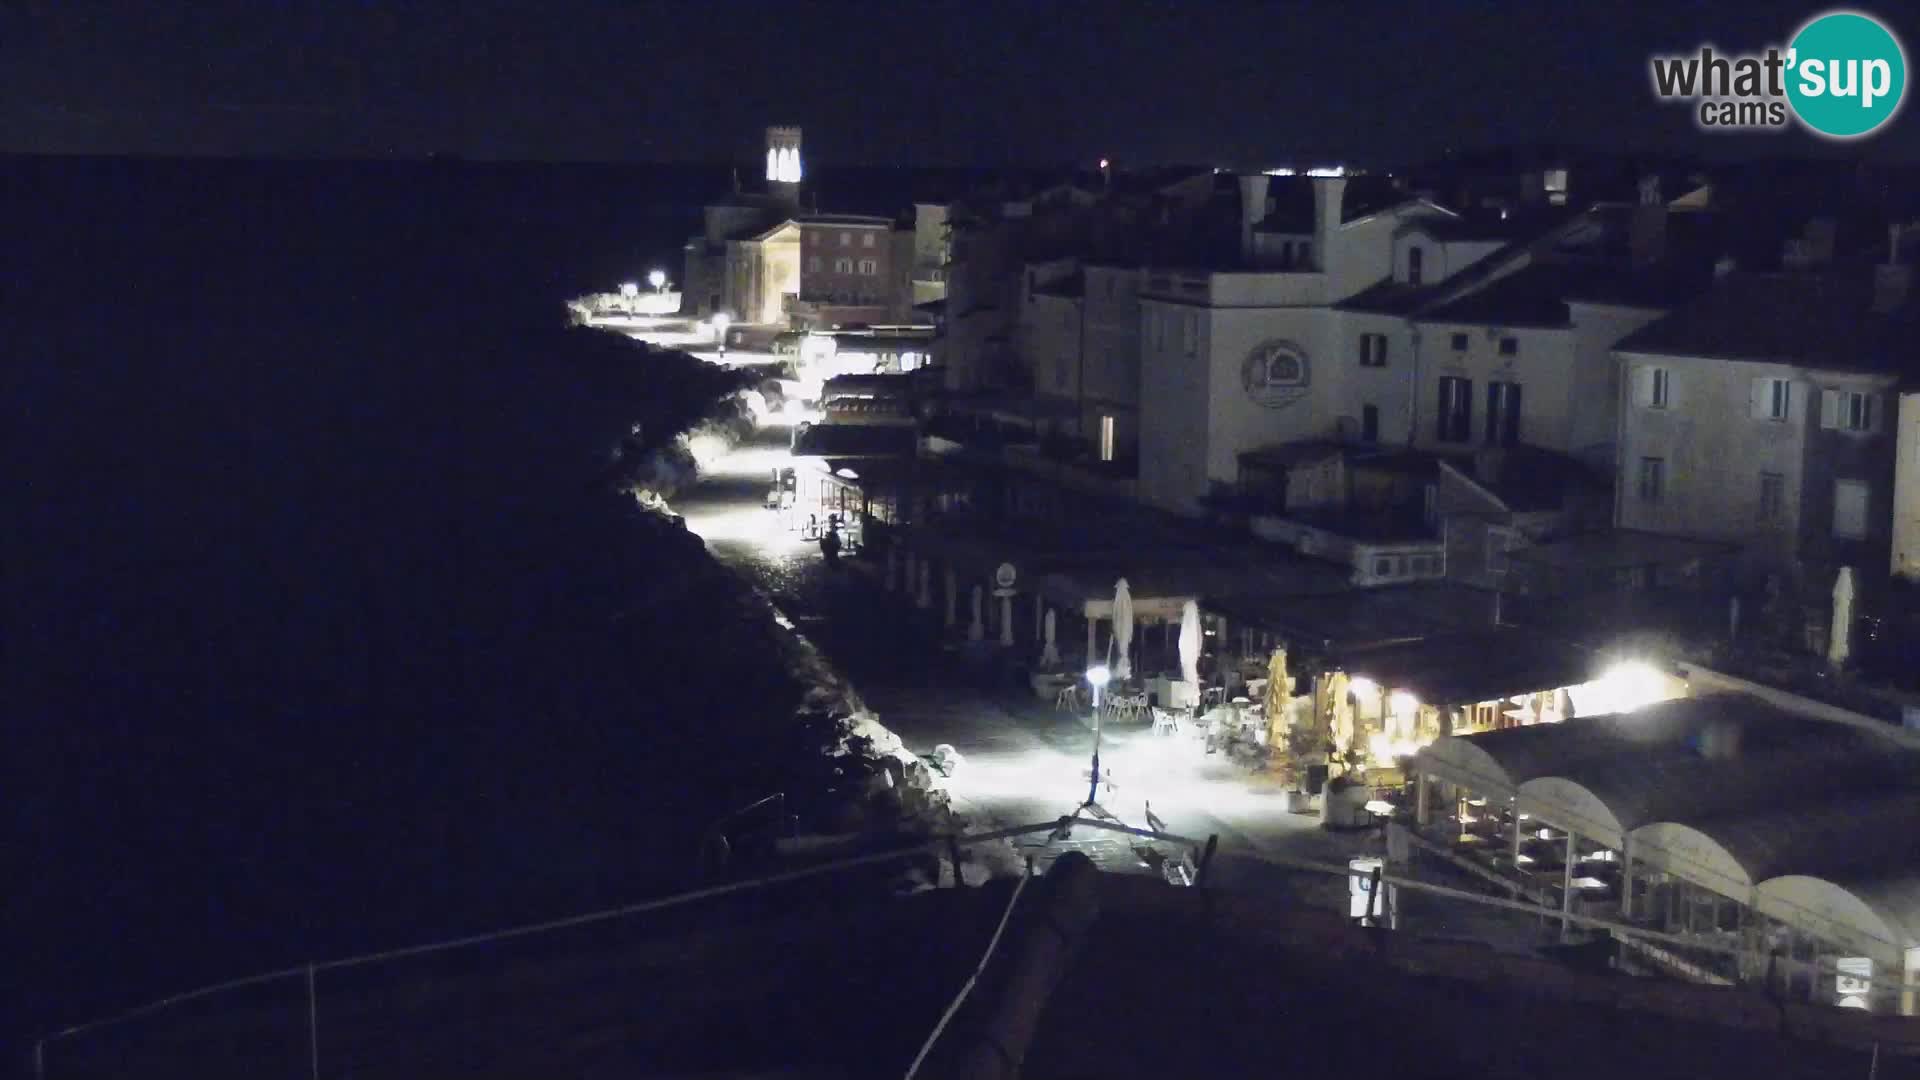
(1122, 631)
(1049, 652)
(1190, 645)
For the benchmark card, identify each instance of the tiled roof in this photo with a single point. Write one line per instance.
(1817, 320)
(1538, 294)
(1530, 478)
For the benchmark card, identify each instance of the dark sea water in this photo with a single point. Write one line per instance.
(320, 631)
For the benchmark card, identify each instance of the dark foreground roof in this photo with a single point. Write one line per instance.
(1464, 668)
(834, 979)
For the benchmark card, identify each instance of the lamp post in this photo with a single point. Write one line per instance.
(720, 321)
(1097, 677)
(657, 279)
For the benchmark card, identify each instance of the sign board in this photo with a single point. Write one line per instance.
(1004, 576)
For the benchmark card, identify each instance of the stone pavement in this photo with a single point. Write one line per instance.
(1024, 762)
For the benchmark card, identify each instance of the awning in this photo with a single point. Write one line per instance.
(1465, 668)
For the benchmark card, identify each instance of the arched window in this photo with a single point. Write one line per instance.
(1416, 264)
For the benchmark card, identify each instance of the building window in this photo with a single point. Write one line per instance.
(814, 263)
(1383, 567)
(1456, 409)
(1416, 264)
(1654, 383)
(1304, 253)
(1370, 423)
(1653, 478)
(846, 239)
(1503, 413)
(869, 266)
(1846, 410)
(1459, 343)
(1850, 509)
(1509, 346)
(866, 239)
(843, 266)
(1373, 350)
(1106, 438)
(1772, 399)
(1773, 495)
(1499, 542)
(1190, 337)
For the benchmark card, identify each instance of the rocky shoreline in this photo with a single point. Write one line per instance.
(852, 784)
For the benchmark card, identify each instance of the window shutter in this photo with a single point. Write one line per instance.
(1829, 409)
(1759, 400)
(1643, 386)
(1871, 404)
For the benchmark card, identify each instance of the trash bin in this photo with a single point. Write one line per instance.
(1316, 779)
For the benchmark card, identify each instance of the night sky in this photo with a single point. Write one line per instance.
(979, 82)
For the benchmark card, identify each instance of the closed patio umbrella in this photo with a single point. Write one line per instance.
(1049, 652)
(1122, 630)
(1840, 636)
(1190, 644)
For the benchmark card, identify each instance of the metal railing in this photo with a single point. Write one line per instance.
(949, 846)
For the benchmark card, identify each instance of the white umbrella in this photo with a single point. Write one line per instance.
(1190, 643)
(1840, 637)
(1122, 630)
(975, 629)
(1049, 652)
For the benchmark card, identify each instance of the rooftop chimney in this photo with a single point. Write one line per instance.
(1647, 231)
(1253, 210)
(1329, 192)
(1893, 279)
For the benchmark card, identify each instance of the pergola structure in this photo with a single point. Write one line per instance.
(1782, 845)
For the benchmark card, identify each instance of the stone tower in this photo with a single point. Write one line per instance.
(783, 164)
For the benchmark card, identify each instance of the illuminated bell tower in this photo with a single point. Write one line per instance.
(783, 164)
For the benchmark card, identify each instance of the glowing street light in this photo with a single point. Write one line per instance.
(1097, 677)
(657, 279)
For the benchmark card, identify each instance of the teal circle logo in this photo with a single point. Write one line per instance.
(1847, 74)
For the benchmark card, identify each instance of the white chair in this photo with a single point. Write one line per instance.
(1068, 699)
(1166, 722)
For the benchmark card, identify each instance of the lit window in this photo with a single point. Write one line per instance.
(866, 240)
(846, 239)
(843, 266)
(1106, 438)
(869, 266)
(814, 263)
(1653, 476)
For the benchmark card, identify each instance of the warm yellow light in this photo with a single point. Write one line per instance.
(1362, 687)
(1630, 686)
(1403, 702)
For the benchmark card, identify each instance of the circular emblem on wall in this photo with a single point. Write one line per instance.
(1004, 576)
(1275, 374)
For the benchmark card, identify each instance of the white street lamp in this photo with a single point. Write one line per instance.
(720, 321)
(657, 279)
(1097, 677)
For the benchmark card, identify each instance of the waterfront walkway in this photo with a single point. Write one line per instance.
(1024, 761)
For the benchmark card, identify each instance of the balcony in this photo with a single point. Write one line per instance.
(1237, 288)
